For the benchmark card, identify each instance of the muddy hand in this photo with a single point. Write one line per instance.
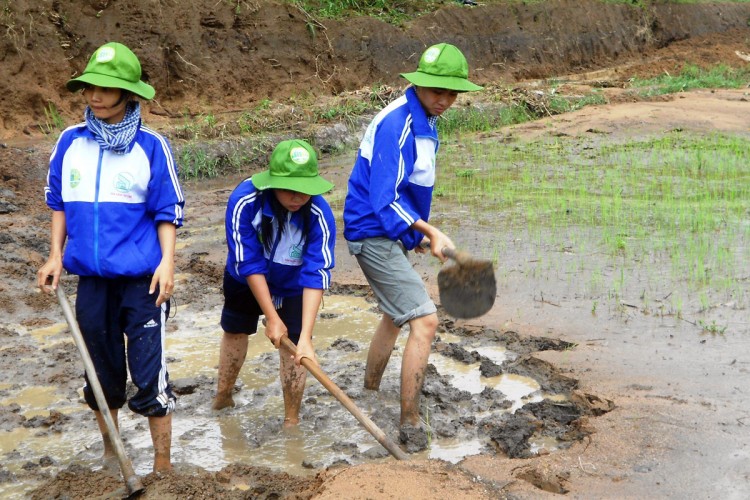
(275, 331)
(304, 350)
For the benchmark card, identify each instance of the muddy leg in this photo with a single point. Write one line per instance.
(380, 351)
(161, 436)
(416, 354)
(109, 458)
(231, 357)
(293, 386)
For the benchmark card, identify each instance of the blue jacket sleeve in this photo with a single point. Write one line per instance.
(244, 246)
(53, 189)
(318, 259)
(165, 199)
(391, 166)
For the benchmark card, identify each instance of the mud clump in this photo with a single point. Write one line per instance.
(232, 482)
(413, 437)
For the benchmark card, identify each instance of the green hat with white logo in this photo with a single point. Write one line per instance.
(442, 66)
(293, 166)
(113, 65)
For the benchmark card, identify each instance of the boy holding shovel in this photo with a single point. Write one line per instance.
(385, 215)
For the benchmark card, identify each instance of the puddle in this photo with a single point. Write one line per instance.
(455, 450)
(35, 400)
(48, 334)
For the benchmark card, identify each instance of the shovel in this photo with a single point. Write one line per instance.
(132, 482)
(467, 288)
(368, 424)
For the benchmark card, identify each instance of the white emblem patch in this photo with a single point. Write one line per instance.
(431, 55)
(105, 54)
(300, 156)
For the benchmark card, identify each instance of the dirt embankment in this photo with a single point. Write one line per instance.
(204, 55)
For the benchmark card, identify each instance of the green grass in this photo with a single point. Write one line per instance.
(390, 11)
(346, 112)
(692, 77)
(53, 121)
(513, 109)
(196, 163)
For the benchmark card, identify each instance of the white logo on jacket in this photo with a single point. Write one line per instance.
(123, 178)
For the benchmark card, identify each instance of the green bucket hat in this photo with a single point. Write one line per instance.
(442, 66)
(293, 166)
(113, 65)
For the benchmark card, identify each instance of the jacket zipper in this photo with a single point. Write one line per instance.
(96, 212)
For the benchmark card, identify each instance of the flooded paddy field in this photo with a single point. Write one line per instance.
(614, 360)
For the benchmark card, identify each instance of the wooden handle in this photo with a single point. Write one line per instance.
(132, 481)
(459, 256)
(368, 424)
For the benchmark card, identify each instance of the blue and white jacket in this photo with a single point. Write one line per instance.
(391, 185)
(296, 260)
(113, 202)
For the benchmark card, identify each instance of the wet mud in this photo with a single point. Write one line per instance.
(453, 414)
(464, 408)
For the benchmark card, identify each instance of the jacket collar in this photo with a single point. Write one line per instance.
(421, 125)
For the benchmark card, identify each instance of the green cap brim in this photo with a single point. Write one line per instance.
(440, 82)
(307, 185)
(139, 88)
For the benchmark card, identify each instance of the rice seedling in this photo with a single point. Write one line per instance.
(667, 214)
(712, 327)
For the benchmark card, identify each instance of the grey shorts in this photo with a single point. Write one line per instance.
(399, 289)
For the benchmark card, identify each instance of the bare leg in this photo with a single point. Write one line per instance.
(161, 436)
(381, 347)
(416, 354)
(292, 385)
(109, 457)
(231, 358)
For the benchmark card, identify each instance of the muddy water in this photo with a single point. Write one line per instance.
(217, 438)
(251, 432)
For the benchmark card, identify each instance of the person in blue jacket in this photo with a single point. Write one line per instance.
(386, 214)
(281, 235)
(116, 205)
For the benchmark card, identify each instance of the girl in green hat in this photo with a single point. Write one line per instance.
(386, 214)
(281, 235)
(116, 200)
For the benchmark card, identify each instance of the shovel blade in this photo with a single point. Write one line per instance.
(467, 290)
